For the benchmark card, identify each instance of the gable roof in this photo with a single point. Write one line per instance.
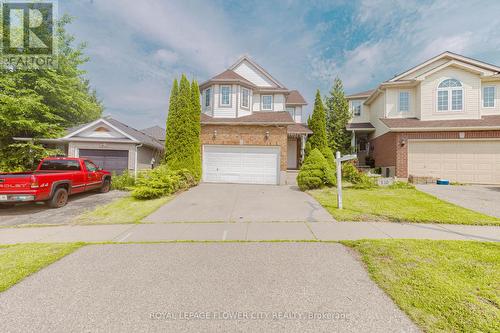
(451, 56)
(156, 132)
(295, 98)
(130, 132)
(258, 68)
(228, 76)
(362, 94)
(256, 118)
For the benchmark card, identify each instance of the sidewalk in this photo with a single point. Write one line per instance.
(300, 231)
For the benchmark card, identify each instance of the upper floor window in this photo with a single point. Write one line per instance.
(267, 102)
(450, 96)
(225, 95)
(489, 97)
(404, 101)
(356, 108)
(291, 111)
(207, 97)
(245, 98)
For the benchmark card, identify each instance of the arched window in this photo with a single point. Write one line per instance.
(450, 95)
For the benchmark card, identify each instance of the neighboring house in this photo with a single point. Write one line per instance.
(252, 126)
(111, 144)
(439, 119)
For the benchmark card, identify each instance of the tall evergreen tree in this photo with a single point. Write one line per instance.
(196, 124)
(317, 124)
(337, 117)
(183, 130)
(172, 110)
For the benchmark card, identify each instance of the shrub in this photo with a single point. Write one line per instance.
(350, 173)
(315, 172)
(401, 185)
(365, 181)
(123, 182)
(161, 181)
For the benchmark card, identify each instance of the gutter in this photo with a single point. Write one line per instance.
(443, 129)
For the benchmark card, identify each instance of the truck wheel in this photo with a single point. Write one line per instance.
(106, 186)
(59, 199)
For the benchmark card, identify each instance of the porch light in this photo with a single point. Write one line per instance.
(461, 135)
(403, 142)
(267, 135)
(215, 134)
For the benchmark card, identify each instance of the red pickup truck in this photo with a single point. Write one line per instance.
(53, 181)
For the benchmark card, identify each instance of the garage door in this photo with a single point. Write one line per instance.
(462, 161)
(110, 160)
(239, 164)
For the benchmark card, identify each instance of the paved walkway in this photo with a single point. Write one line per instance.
(324, 231)
(292, 287)
(481, 198)
(241, 203)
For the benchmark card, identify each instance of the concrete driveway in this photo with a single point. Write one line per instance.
(241, 203)
(481, 198)
(285, 287)
(40, 213)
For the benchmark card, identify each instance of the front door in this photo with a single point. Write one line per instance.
(292, 152)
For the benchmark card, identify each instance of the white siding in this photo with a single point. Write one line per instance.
(392, 107)
(494, 110)
(225, 111)
(256, 102)
(250, 73)
(377, 111)
(471, 84)
(365, 112)
(279, 102)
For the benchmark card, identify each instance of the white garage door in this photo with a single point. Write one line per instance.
(240, 164)
(462, 161)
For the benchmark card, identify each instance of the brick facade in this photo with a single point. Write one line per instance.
(250, 135)
(389, 150)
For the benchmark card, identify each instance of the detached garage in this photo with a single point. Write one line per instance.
(466, 161)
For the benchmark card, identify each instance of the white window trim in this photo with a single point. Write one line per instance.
(494, 97)
(248, 99)
(208, 92)
(294, 111)
(409, 101)
(353, 109)
(262, 102)
(450, 97)
(230, 96)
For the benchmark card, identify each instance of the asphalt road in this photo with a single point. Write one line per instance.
(202, 287)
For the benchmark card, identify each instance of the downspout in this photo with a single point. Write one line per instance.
(135, 162)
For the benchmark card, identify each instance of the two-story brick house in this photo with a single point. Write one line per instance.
(252, 126)
(438, 119)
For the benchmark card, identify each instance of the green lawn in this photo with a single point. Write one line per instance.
(444, 286)
(22, 260)
(122, 211)
(398, 205)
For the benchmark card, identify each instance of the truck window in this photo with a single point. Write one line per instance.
(60, 165)
(91, 167)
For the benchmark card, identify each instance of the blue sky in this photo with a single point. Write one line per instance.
(138, 47)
